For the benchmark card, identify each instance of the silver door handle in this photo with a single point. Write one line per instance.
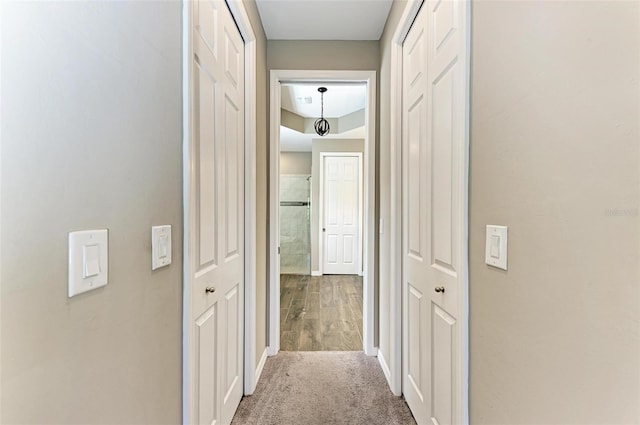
(440, 289)
(210, 290)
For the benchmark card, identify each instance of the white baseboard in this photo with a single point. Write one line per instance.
(373, 352)
(271, 351)
(361, 273)
(261, 363)
(316, 273)
(385, 367)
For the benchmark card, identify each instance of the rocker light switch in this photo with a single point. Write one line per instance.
(88, 260)
(160, 246)
(91, 260)
(496, 246)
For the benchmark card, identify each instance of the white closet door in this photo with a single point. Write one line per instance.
(216, 231)
(433, 137)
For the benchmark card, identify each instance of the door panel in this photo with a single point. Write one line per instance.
(216, 233)
(232, 369)
(233, 161)
(207, 219)
(341, 204)
(347, 249)
(433, 147)
(442, 351)
(415, 364)
(415, 180)
(442, 168)
(206, 337)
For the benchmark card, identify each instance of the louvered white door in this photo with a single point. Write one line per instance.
(216, 224)
(434, 173)
(341, 221)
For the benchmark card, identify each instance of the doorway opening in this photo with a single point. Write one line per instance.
(321, 295)
(321, 217)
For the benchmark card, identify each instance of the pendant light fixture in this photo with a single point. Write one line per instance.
(321, 125)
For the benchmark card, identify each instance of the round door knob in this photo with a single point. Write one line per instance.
(440, 289)
(210, 290)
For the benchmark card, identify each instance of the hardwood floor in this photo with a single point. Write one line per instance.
(320, 313)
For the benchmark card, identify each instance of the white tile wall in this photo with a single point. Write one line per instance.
(295, 244)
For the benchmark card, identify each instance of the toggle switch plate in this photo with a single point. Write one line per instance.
(160, 246)
(496, 246)
(88, 260)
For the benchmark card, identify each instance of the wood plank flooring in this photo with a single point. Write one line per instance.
(320, 313)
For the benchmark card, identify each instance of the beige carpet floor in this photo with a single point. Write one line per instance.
(322, 387)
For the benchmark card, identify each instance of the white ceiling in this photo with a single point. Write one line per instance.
(323, 19)
(339, 99)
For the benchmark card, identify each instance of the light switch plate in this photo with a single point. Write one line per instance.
(88, 260)
(160, 246)
(496, 246)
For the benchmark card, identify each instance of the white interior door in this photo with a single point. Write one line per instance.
(434, 173)
(341, 215)
(216, 211)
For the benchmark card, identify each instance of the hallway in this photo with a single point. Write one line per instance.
(321, 375)
(490, 130)
(320, 313)
(308, 388)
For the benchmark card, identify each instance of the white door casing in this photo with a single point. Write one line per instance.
(434, 182)
(368, 221)
(215, 328)
(341, 213)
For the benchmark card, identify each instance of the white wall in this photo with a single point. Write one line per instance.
(91, 135)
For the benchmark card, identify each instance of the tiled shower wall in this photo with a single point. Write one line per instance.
(295, 243)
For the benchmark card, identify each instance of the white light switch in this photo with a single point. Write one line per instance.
(88, 260)
(91, 260)
(496, 246)
(160, 246)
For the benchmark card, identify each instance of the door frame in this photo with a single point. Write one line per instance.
(358, 155)
(369, 78)
(251, 374)
(395, 267)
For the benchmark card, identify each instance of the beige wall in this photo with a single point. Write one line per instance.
(295, 163)
(555, 156)
(554, 149)
(262, 155)
(384, 175)
(91, 138)
(331, 55)
(319, 146)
